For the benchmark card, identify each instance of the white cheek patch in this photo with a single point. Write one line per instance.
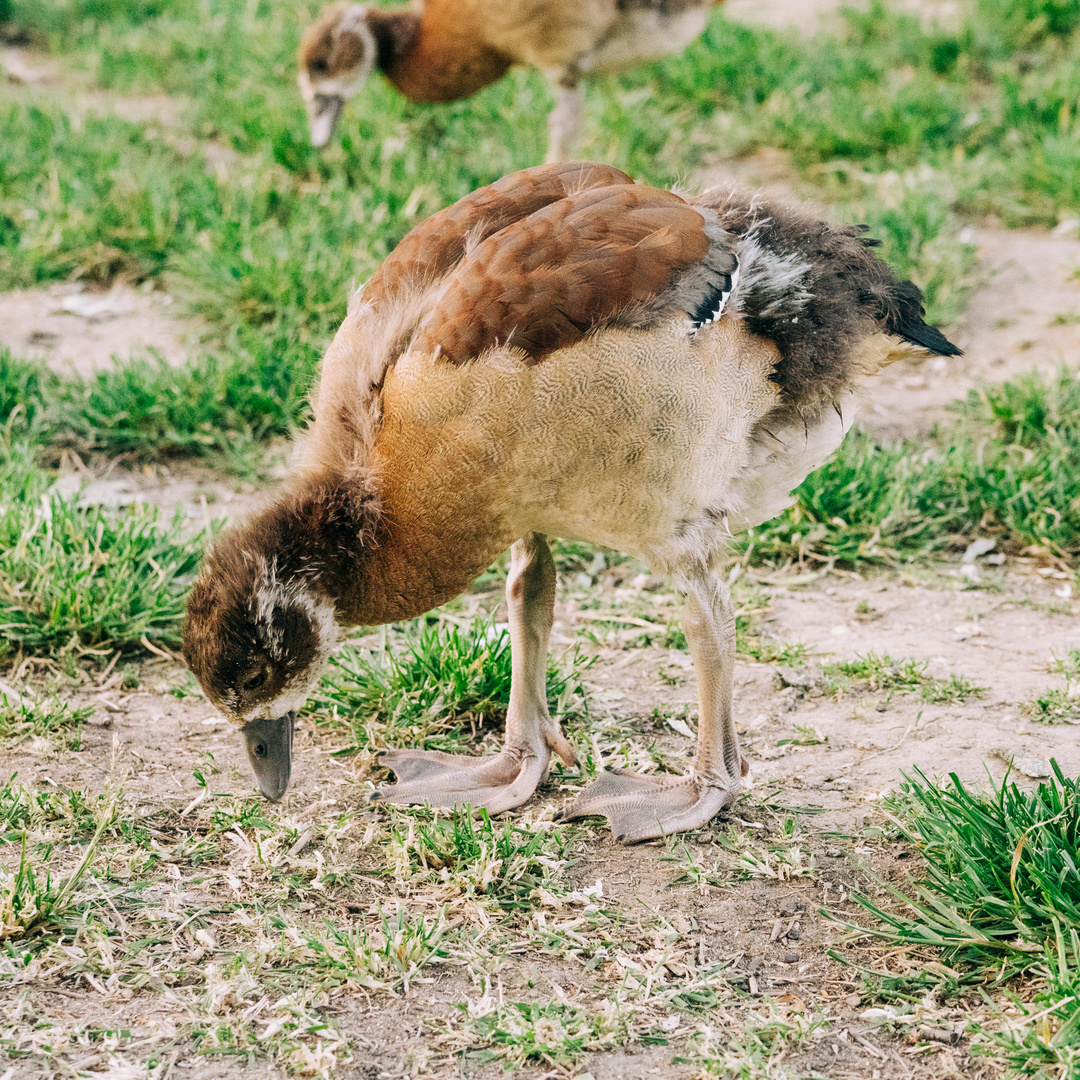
(272, 595)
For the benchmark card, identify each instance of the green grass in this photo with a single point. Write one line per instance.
(22, 720)
(83, 576)
(30, 905)
(433, 685)
(551, 1034)
(504, 861)
(1006, 862)
(879, 673)
(1059, 705)
(1054, 706)
(222, 405)
(907, 126)
(1001, 896)
(1003, 467)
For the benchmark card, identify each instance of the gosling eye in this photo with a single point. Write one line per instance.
(254, 680)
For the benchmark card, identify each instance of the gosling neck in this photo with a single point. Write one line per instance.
(375, 563)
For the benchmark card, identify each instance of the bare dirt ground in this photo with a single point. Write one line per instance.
(81, 330)
(812, 820)
(1025, 317)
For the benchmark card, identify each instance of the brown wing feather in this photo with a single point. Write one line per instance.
(543, 282)
(435, 246)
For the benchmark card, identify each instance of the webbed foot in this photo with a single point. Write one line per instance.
(640, 807)
(493, 783)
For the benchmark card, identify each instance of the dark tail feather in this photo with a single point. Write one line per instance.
(920, 333)
(900, 307)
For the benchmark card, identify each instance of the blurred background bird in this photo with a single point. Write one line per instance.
(445, 50)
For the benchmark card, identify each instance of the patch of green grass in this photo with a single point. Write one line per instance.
(439, 679)
(70, 816)
(214, 404)
(1044, 1041)
(1001, 897)
(1059, 705)
(23, 719)
(507, 862)
(83, 576)
(1003, 867)
(380, 955)
(879, 673)
(805, 735)
(904, 123)
(1069, 664)
(28, 905)
(211, 404)
(554, 1034)
(1003, 467)
(757, 1047)
(24, 387)
(1055, 706)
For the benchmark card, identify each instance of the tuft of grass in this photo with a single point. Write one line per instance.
(214, 404)
(82, 575)
(24, 387)
(879, 673)
(22, 720)
(441, 678)
(1054, 706)
(72, 815)
(757, 1049)
(384, 954)
(1058, 705)
(554, 1033)
(1003, 867)
(217, 403)
(508, 862)
(28, 905)
(1002, 898)
(1044, 1040)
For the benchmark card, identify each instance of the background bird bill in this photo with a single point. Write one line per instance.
(324, 111)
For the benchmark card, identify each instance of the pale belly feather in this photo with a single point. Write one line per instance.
(644, 442)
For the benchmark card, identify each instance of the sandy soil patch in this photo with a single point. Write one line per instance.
(1026, 316)
(79, 330)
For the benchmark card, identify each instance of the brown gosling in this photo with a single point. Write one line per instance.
(562, 353)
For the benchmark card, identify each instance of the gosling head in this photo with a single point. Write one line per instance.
(257, 639)
(337, 53)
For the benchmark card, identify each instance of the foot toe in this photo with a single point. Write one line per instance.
(411, 766)
(446, 780)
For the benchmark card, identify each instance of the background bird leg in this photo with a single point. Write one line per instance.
(510, 777)
(564, 121)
